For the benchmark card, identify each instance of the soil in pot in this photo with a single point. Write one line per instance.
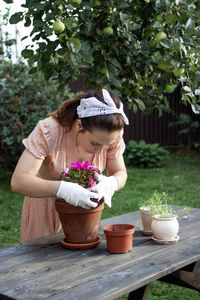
(119, 237)
(80, 225)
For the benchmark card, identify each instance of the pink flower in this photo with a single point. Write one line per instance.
(91, 168)
(86, 164)
(66, 171)
(81, 173)
(92, 182)
(77, 165)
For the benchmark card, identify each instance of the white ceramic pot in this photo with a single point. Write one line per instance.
(164, 228)
(146, 217)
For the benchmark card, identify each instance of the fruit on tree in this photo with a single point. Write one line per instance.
(178, 72)
(169, 88)
(161, 36)
(76, 43)
(76, 2)
(103, 71)
(108, 30)
(58, 26)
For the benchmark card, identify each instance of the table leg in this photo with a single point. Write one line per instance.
(139, 294)
(188, 277)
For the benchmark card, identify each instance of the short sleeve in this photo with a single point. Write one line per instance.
(117, 148)
(38, 140)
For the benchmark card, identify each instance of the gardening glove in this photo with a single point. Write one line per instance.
(106, 187)
(76, 195)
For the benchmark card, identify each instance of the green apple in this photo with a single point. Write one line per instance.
(159, 18)
(165, 66)
(108, 30)
(103, 71)
(97, 3)
(169, 88)
(178, 72)
(161, 36)
(58, 26)
(76, 2)
(76, 43)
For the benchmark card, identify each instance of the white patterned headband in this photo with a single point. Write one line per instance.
(90, 107)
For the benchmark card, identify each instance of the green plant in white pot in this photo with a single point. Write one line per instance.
(148, 209)
(165, 225)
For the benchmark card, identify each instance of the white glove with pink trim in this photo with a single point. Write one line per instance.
(106, 187)
(76, 195)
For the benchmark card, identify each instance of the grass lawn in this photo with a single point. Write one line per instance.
(180, 179)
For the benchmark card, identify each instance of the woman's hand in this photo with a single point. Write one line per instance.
(106, 187)
(76, 195)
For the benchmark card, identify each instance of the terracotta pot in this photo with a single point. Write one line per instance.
(119, 237)
(80, 225)
(165, 228)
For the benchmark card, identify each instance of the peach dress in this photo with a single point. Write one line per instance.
(48, 142)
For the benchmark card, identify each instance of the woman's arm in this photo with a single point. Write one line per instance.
(117, 168)
(24, 179)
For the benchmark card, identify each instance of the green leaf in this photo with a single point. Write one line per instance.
(165, 43)
(24, 37)
(26, 53)
(195, 108)
(186, 88)
(85, 47)
(8, 1)
(140, 103)
(190, 24)
(28, 22)
(38, 23)
(33, 70)
(16, 18)
(197, 92)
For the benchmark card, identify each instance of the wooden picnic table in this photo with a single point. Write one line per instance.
(44, 269)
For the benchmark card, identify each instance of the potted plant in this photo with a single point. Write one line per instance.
(165, 225)
(80, 225)
(148, 208)
(119, 237)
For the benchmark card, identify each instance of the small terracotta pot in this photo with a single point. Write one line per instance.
(80, 225)
(119, 237)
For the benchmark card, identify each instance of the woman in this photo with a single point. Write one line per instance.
(88, 127)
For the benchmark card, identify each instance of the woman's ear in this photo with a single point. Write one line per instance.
(79, 125)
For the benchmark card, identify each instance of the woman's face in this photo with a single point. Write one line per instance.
(93, 142)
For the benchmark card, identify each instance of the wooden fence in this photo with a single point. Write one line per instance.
(152, 128)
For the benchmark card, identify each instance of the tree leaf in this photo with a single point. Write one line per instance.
(26, 53)
(190, 24)
(8, 1)
(195, 108)
(17, 17)
(186, 88)
(197, 92)
(165, 43)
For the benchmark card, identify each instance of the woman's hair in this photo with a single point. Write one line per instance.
(66, 114)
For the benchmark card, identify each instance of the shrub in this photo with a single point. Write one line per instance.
(24, 100)
(144, 155)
